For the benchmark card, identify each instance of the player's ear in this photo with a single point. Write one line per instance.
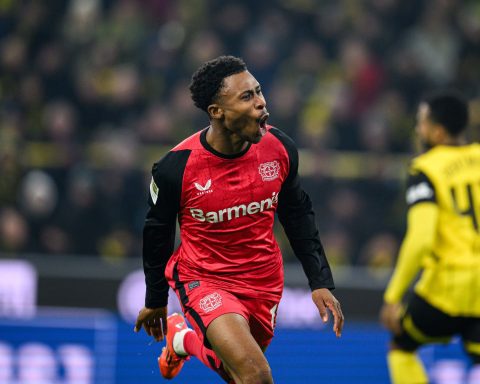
(440, 134)
(215, 111)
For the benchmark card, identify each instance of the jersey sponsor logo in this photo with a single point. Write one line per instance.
(234, 212)
(269, 171)
(211, 302)
(204, 188)
(418, 192)
(154, 191)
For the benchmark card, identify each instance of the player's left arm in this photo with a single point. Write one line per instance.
(422, 219)
(296, 215)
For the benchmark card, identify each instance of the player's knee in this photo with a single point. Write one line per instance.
(263, 376)
(256, 374)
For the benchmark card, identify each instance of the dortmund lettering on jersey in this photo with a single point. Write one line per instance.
(449, 176)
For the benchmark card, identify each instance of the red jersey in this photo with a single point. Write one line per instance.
(225, 205)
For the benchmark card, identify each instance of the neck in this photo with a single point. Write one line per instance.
(224, 141)
(454, 141)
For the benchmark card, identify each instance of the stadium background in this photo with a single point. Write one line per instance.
(93, 91)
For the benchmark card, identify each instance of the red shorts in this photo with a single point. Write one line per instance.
(202, 303)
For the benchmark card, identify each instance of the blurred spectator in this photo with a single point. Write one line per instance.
(379, 254)
(14, 231)
(11, 164)
(79, 222)
(434, 44)
(339, 246)
(38, 194)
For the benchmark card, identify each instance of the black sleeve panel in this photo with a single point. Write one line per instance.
(419, 188)
(298, 219)
(159, 229)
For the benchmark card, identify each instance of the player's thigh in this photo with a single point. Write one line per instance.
(262, 319)
(231, 339)
(424, 324)
(202, 303)
(471, 338)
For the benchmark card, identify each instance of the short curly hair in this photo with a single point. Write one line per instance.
(450, 109)
(208, 79)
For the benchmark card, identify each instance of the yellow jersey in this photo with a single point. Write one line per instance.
(449, 178)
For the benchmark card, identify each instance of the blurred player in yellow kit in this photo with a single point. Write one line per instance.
(442, 240)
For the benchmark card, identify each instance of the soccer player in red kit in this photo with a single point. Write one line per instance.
(224, 184)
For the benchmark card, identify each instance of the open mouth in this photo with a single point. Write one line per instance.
(262, 122)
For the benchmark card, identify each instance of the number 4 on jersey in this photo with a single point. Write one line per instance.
(469, 210)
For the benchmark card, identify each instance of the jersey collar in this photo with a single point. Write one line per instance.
(209, 148)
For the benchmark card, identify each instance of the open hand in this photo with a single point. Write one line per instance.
(390, 315)
(324, 299)
(154, 321)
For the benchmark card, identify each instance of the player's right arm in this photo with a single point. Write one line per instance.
(422, 218)
(159, 240)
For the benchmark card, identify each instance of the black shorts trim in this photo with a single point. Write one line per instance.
(184, 299)
(423, 323)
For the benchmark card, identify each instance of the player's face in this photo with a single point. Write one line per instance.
(425, 127)
(244, 107)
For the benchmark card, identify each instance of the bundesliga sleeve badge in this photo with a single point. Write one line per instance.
(154, 191)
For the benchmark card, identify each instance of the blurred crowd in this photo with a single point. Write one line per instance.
(93, 91)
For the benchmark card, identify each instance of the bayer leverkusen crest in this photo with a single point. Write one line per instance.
(211, 302)
(269, 171)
